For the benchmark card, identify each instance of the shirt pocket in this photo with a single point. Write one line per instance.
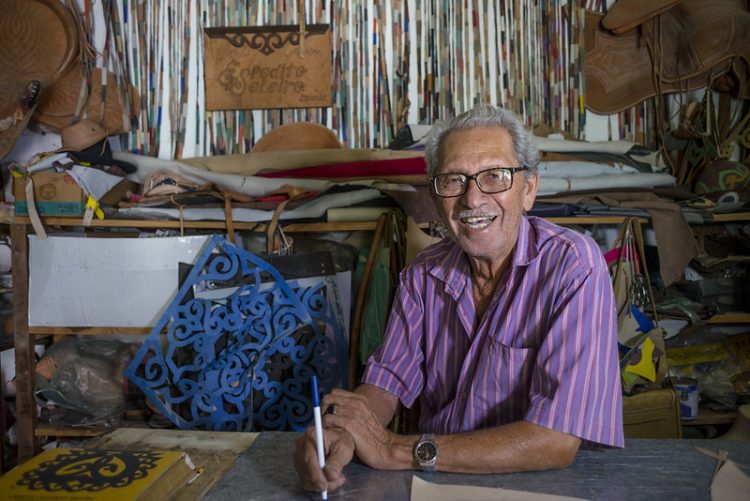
(502, 382)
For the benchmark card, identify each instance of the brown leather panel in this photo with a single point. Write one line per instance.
(625, 15)
(683, 48)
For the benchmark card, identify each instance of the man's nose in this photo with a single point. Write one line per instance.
(473, 194)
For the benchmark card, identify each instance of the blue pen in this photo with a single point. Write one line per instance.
(318, 429)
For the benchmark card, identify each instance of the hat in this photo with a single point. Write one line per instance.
(57, 108)
(87, 142)
(82, 135)
(298, 136)
(38, 40)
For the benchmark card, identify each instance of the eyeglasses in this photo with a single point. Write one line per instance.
(494, 180)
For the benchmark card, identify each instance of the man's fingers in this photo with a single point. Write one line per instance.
(335, 478)
(342, 398)
(343, 408)
(306, 464)
(340, 452)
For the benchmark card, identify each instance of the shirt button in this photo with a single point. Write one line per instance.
(462, 395)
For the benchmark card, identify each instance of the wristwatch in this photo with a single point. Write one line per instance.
(426, 452)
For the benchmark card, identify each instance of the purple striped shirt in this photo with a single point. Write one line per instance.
(545, 350)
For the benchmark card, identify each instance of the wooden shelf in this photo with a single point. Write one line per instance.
(288, 227)
(208, 225)
(40, 330)
(56, 431)
(29, 431)
(586, 220)
(731, 217)
(708, 416)
(730, 318)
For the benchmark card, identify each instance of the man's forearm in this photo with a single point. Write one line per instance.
(519, 446)
(382, 403)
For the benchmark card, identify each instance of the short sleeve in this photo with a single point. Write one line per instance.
(397, 365)
(575, 385)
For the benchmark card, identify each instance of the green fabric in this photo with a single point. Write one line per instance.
(377, 307)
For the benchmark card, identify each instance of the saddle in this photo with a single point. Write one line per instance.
(642, 49)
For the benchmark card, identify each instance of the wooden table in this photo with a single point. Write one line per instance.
(644, 469)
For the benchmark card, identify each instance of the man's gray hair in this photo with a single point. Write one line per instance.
(483, 116)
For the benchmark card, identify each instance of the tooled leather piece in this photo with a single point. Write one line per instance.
(625, 15)
(57, 108)
(680, 49)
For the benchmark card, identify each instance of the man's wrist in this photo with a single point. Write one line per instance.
(426, 452)
(402, 452)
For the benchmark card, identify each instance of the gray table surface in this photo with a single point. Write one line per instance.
(644, 469)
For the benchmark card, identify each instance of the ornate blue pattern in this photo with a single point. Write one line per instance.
(242, 344)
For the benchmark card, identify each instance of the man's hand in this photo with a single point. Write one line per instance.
(339, 449)
(374, 444)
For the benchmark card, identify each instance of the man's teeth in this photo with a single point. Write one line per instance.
(477, 221)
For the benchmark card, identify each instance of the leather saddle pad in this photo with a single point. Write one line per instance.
(680, 49)
(625, 15)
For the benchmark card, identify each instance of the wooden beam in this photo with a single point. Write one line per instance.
(54, 431)
(24, 344)
(321, 227)
(90, 331)
(730, 318)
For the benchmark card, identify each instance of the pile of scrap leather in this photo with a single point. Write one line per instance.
(311, 181)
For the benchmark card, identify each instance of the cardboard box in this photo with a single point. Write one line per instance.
(55, 194)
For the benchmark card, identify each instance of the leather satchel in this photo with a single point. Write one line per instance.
(684, 47)
(652, 414)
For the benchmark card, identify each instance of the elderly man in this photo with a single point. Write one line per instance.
(506, 331)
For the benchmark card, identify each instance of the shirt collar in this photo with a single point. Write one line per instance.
(453, 267)
(525, 250)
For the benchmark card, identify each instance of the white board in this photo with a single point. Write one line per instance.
(105, 282)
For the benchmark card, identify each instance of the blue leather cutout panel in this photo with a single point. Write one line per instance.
(241, 346)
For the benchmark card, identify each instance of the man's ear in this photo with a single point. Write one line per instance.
(530, 187)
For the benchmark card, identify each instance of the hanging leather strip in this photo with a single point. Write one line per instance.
(36, 221)
(228, 218)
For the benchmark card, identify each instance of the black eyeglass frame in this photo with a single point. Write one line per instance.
(512, 171)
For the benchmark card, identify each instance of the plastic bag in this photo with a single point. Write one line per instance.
(83, 379)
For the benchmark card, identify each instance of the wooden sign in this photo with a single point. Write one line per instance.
(267, 67)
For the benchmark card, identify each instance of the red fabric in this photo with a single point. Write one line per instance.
(364, 169)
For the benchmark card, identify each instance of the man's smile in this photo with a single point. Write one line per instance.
(477, 222)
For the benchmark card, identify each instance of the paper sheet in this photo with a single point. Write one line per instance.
(94, 182)
(730, 484)
(421, 490)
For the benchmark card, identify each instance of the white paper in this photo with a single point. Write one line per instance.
(421, 490)
(94, 182)
(105, 282)
(730, 484)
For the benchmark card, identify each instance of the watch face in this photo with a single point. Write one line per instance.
(426, 451)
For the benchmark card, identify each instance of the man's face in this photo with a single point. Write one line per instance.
(484, 225)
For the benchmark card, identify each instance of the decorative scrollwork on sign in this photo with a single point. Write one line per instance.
(265, 42)
(242, 343)
(79, 471)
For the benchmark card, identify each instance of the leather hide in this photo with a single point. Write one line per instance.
(682, 48)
